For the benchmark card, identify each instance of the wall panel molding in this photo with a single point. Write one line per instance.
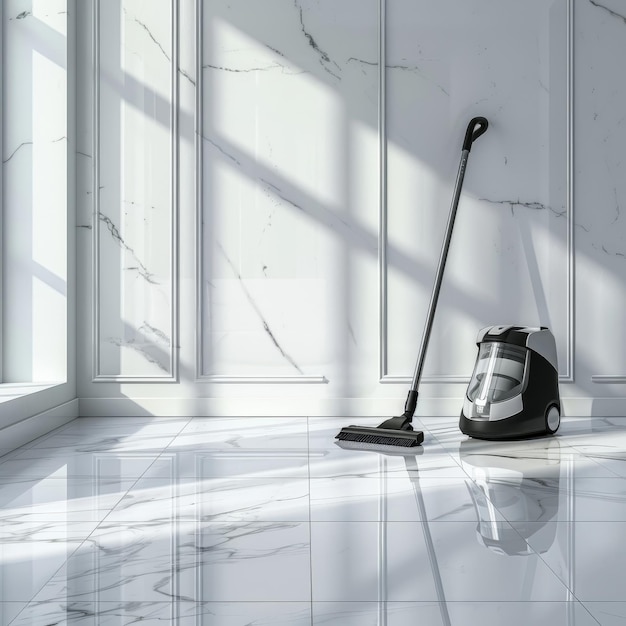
(609, 379)
(173, 374)
(384, 377)
(571, 279)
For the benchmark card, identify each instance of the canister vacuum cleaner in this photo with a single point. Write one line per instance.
(514, 390)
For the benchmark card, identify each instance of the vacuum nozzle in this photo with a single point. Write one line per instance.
(395, 431)
(381, 436)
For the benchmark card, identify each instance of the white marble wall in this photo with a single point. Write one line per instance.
(34, 191)
(278, 198)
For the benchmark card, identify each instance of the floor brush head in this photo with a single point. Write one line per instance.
(381, 436)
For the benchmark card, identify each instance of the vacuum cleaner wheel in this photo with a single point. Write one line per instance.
(553, 419)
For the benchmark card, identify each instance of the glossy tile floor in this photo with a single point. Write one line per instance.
(259, 521)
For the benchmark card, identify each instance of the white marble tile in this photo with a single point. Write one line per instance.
(582, 438)
(40, 464)
(586, 556)
(65, 444)
(238, 447)
(59, 499)
(4, 453)
(199, 462)
(613, 466)
(253, 562)
(599, 435)
(451, 613)
(214, 561)
(23, 530)
(446, 432)
(603, 440)
(157, 613)
(543, 457)
(26, 564)
(608, 613)
(119, 563)
(88, 434)
(125, 426)
(10, 610)
(11, 454)
(396, 499)
(365, 561)
(215, 499)
(96, 613)
(245, 432)
(570, 498)
(246, 613)
(523, 501)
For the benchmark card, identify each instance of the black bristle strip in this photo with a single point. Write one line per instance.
(377, 439)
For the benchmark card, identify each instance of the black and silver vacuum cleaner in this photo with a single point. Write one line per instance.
(514, 390)
(398, 431)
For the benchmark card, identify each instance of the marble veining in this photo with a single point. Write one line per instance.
(24, 143)
(416, 69)
(145, 28)
(535, 206)
(608, 10)
(158, 334)
(115, 233)
(245, 70)
(258, 312)
(325, 61)
(221, 149)
(144, 349)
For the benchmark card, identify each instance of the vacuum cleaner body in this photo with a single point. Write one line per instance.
(514, 390)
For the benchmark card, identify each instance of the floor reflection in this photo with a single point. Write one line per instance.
(502, 490)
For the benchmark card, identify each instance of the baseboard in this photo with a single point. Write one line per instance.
(322, 407)
(25, 431)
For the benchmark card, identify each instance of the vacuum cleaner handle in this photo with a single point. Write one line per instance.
(473, 133)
